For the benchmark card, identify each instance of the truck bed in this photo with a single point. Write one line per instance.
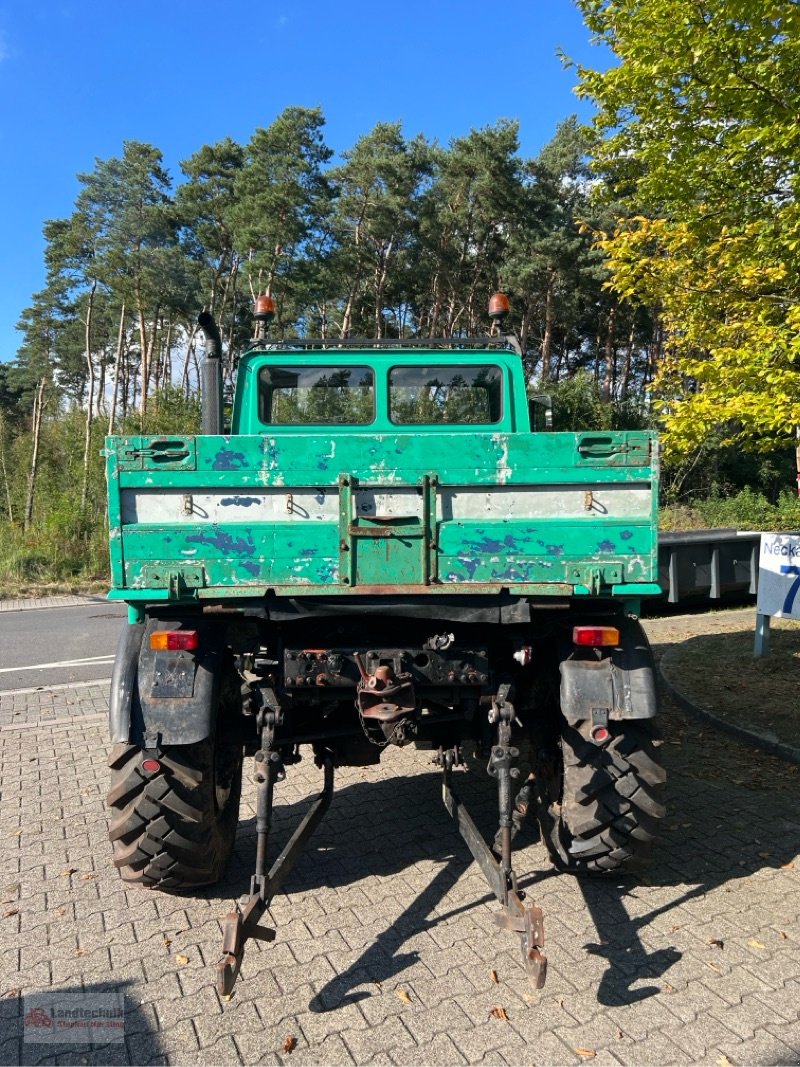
(546, 514)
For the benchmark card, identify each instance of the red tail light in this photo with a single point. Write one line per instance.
(595, 636)
(174, 640)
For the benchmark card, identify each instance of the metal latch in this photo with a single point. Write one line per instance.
(179, 581)
(599, 447)
(154, 453)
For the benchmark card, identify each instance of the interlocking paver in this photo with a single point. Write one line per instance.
(764, 1048)
(386, 900)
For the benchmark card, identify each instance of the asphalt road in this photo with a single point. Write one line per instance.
(61, 645)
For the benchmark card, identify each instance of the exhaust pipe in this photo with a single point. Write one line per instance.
(211, 376)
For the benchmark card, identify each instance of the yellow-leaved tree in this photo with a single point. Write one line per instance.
(699, 125)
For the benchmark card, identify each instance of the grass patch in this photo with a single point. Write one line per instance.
(50, 559)
(718, 673)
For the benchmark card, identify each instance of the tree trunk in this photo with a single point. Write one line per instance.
(9, 505)
(101, 384)
(87, 435)
(609, 356)
(381, 274)
(38, 404)
(189, 350)
(166, 377)
(524, 335)
(654, 352)
(230, 284)
(547, 339)
(117, 364)
(144, 354)
(628, 364)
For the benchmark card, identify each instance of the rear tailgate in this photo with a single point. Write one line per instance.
(214, 517)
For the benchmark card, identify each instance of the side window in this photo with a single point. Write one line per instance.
(454, 395)
(316, 396)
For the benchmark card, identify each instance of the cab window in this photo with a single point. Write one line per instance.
(454, 395)
(316, 396)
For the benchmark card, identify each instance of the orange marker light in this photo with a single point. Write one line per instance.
(498, 306)
(595, 636)
(265, 308)
(174, 640)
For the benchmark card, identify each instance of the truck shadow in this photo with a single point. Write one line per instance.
(719, 830)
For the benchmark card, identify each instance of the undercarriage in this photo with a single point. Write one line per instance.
(340, 690)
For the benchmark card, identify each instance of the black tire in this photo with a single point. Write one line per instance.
(599, 805)
(174, 829)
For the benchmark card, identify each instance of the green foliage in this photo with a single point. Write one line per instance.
(67, 543)
(578, 405)
(747, 510)
(171, 412)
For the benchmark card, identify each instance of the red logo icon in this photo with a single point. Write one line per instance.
(38, 1017)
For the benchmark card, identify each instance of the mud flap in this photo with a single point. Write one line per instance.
(621, 685)
(164, 698)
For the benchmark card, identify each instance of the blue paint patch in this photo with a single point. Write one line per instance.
(606, 546)
(626, 535)
(239, 501)
(322, 465)
(253, 568)
(515, 572)
(272, 453)
(309, 552)
(469, 565)
(491, 545)
(328, 572)
(224, 543)
(554, 550)
(228, 460)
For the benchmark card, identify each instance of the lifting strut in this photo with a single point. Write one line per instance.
(525, 919)
(241, 924)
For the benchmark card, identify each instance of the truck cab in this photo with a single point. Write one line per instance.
(388, 390)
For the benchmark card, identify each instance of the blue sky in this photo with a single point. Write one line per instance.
(79, 77)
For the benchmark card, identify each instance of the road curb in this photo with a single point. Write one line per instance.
(765, 742)
(66, 600)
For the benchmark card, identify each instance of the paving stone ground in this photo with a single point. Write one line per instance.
(386, 901)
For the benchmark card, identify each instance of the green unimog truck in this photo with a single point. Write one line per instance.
(389, 545)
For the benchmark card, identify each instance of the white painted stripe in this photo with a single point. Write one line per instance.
(287, 505)
(86, 662)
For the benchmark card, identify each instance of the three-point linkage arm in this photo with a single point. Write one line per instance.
(242, 923)
(525, 919)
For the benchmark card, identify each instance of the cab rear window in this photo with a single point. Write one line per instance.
(453, 395)
(316, 396)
